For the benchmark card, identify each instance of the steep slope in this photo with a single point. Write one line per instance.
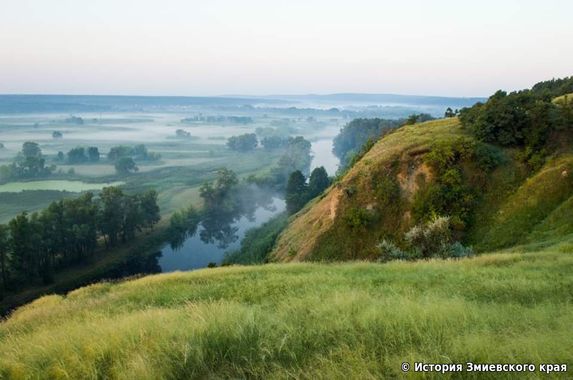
(353, 320)
(431, 168)
(357, 191)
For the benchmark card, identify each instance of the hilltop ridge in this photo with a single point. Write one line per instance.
(497, 193)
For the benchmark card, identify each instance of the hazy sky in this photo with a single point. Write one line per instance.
(213, 47)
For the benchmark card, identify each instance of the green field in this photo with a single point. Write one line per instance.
(353, 320)
(54, 185)
(184, 164)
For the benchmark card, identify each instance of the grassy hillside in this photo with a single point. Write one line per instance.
(498, 199)
(353, 320)
(324, 221)
(563, 98)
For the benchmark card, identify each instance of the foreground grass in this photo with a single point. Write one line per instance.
(357, 320)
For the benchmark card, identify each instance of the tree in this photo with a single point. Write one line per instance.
(449, 113)
(418, 118)
(93, 154)
(77, 155)
(243, 143)
(57, 135)
(33, 246)
(29, 163)
(111, 214)
(119, 151)
(181, 133)
(296, 192)
(22, 247)
(125, 165)
(149, 208)
(296, 157)
(318, 182)
(274, 142)
(140, 152)
(31, 150)
(4, 250)
(215, 195)
(137, 152)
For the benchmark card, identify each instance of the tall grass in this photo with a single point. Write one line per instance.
(355, 320)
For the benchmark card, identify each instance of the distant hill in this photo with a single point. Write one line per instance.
(105, 103)
(357, 98)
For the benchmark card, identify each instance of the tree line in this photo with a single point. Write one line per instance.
(354, 135)
(298, 192)
(249, 141)
(35, 246)
(31, 163)
(523, 119)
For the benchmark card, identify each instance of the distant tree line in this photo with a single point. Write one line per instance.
(249, 141)
(219, 119)
(124, 157)
(74, 120)
(243, 143)
(274, 142)
(137, 152)
(34, 247)
(273, 138)
(355, 134)
(80, 155)
(29, 163)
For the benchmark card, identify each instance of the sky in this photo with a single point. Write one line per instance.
(261, 47)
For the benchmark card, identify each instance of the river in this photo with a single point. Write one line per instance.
(195, 253)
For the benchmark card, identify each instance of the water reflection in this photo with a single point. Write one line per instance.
(135, 265)
(219, 233)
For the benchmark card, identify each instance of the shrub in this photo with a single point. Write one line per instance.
(390, 251)
(457, 250)
(357, 217)
(430, 239)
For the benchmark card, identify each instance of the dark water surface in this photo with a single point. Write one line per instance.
(197, 253)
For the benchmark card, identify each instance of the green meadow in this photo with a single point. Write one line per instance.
(351, 320)
(54, 185)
